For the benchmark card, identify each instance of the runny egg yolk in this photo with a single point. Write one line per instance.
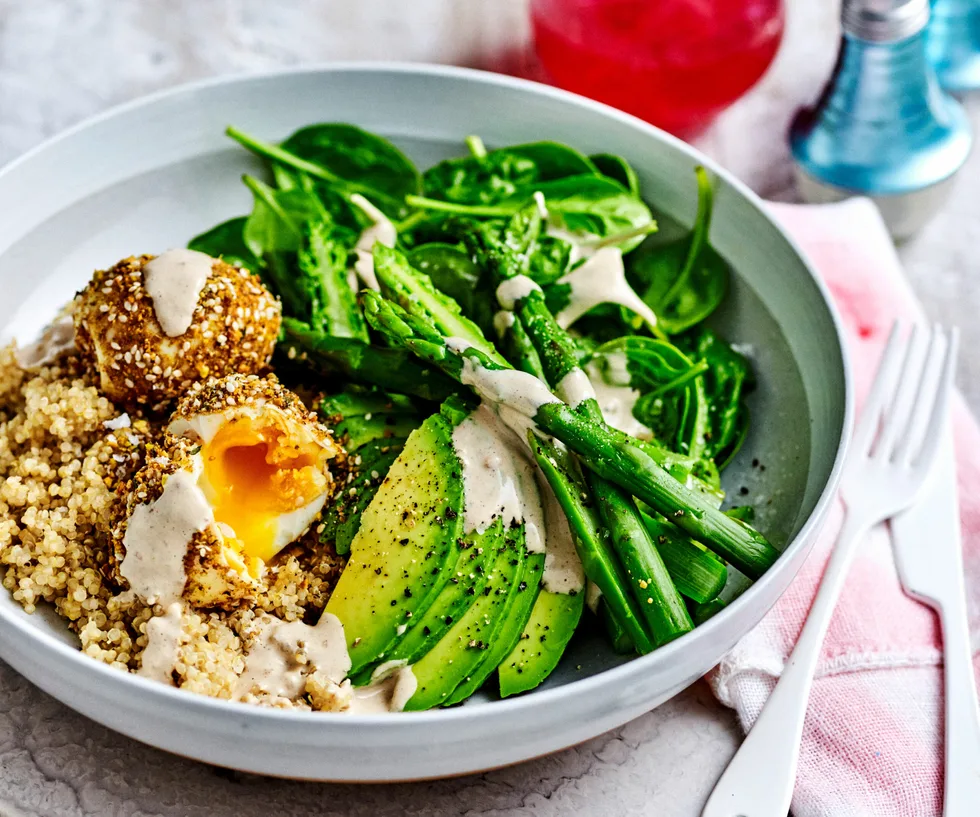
(257, 472)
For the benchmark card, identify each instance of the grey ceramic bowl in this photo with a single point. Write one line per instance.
(147, 176)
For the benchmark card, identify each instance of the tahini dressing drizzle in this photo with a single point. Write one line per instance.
(380, 230)
(284, 653)
(498, 479)
(174, 281)
(392, 686)
(157, 537)
(163, 645)
(513, 289)
(615, 396)
(521, 391)
(601, 279)
(563, 572)
(610, 389)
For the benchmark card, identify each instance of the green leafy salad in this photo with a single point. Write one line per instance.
(534, 411)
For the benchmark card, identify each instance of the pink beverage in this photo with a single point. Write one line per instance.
(675, 63)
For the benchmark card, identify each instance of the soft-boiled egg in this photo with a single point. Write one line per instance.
(264, 460)
(256, 461)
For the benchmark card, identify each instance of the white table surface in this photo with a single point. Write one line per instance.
(62, 60)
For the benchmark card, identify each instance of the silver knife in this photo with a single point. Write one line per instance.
(929, 556)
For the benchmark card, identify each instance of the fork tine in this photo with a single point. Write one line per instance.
(881, 391)
(939, 415)
(918, 423)
(909, 384)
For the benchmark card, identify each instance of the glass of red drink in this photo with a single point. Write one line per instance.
(675, 63)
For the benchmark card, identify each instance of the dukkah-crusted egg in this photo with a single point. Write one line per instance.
(260, 463)
(154, 325)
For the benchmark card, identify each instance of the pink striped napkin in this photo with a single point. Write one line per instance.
(872, 743)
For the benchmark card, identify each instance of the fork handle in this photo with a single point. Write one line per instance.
(760, 778)
(962, 714)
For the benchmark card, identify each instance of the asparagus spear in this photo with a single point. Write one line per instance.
(389, 368)
(617, 458)
(697, 573)
(598, 561)
(322, 263)
(568, 483)
(660, 604)
(414, 291)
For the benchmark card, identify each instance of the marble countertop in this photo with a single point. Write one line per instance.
(62, 60)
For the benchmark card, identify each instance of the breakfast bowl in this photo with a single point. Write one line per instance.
(150, 175)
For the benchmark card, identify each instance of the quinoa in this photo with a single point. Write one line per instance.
(65, 473)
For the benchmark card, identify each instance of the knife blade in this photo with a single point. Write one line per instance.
(929, 555)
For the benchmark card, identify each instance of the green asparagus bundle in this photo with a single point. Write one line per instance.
(614, 457)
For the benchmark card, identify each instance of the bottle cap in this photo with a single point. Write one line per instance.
(884, 21)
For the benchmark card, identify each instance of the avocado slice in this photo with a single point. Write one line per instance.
(510, 631)
(407, 538)
(477, 555)
(462, 649)
(552, 624)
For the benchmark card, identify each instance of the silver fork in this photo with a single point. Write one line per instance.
(892, 451)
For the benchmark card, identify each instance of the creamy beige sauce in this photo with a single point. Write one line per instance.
(615, 396)
(502, 321)
(521, 391)
(157, 538)
(392, 686)
(380, 230)
(601, 280)
(498, 478)
(163, 644)
(575, 388)
(563, 571)
(593, 595)
(283, 653)
(514, 289)
(174, 281)
(58, 337)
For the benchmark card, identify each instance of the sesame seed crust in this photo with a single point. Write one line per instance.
(233, 330)
(225, 395)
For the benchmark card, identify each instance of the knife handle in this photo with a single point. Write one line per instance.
(962, 798)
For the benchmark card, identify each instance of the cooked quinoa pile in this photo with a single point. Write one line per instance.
(67, 455)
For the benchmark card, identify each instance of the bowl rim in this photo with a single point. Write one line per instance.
(630, 670)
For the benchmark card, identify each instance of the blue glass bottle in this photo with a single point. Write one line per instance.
(954, 43)
(883, 127)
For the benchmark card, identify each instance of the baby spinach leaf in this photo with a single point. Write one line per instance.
(596, 205)
(554, 160)
(355, 155)
(227, 241)
(618, 169)
(727, 376)
(504, 173)
(377, 168)
(278, 216)
(550, 260)
(485, 180)
(322, 279)
(582, 204)
(672, 399)
(441, 228)
(683, 280)
(453, 272)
